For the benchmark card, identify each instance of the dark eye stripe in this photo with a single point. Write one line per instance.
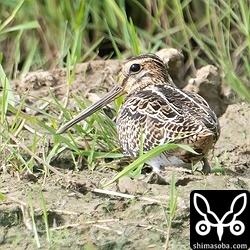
(150, 57)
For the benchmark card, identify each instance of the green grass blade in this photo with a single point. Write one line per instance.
(23, 26)
(45, 217)
(12, 16)
(32, 214)
(7, 94)
(145, 157)
(2, 197)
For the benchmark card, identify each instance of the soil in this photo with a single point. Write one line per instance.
(129, 214)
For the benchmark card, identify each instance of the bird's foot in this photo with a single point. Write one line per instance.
(206, 167)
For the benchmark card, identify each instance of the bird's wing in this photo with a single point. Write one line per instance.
(162, 116)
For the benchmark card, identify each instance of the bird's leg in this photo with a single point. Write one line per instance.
(206, 167)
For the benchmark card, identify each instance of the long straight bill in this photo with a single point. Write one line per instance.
(109, 97)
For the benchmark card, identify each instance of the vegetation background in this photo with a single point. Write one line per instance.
(37, 35)
(47, 34)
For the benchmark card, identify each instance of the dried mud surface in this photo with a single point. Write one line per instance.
(80, 214)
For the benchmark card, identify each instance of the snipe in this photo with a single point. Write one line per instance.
(155, 107)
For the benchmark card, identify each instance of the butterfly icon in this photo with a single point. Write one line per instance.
(203, 227)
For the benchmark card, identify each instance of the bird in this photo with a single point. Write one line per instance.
(154, 112)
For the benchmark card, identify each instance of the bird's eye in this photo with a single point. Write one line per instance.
(135, 68)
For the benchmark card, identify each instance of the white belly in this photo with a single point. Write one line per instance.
(160, 161)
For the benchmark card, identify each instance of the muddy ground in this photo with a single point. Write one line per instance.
(135, 214)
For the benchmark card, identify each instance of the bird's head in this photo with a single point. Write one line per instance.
(138, 73)
(142, 71)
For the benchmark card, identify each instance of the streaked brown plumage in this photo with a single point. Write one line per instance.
(155, 107)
